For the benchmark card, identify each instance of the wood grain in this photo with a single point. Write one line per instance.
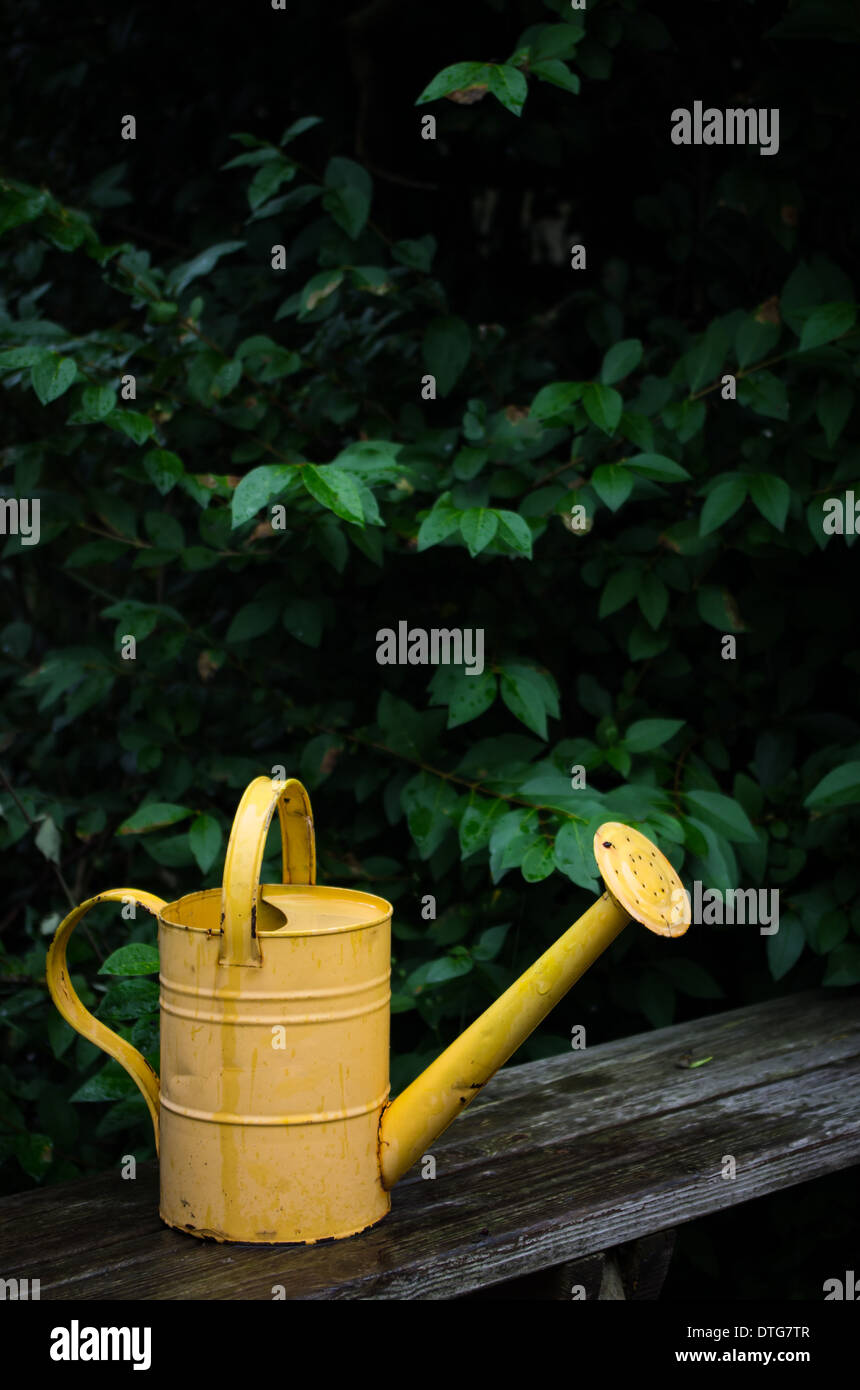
(557, 1161)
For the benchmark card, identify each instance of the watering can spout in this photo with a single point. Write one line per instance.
(640, 885)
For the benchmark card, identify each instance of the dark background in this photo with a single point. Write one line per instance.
(676, 237)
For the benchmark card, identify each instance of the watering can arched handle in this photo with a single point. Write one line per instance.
(73, 1011)
(240, 894)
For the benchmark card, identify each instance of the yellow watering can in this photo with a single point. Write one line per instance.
(273, 1109)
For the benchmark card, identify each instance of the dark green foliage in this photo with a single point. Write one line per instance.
(299, 390)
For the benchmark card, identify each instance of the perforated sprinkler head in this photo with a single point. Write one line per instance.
(641, 879)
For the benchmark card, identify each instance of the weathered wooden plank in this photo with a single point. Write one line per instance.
(639, 1267)
(576, 1155)
(748, 1047)
(548, 1284)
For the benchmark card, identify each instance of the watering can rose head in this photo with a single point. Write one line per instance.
(272, 1116)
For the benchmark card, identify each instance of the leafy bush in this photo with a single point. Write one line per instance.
(282, 487)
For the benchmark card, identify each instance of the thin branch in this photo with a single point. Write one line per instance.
(478, 787)
(760, 366)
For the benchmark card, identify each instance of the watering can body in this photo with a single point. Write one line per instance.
(274, 1014)
(274, 1078)
(271, 1116)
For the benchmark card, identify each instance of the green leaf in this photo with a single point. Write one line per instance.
(111, 1083)
(436, 972)
(685, 418)
(754, 341)
(538, 862)
(224, 379)
(478, 822)
(453, 79)
(843, 966)
(446, 348)
(438, 524)
(35, 1153)
(138, 427)
(785, 946)
(645, 643)
(51, 376)
(21, 205)
(97, 401)
(637, 428)
(401, 1003)
(513, 836)
(613, 484)
(257, 489)
(765, 394)
(509, 85)
(163, 468)
(252, 620)
(374, 460)
(621, 359)
(603, 405)
(558, 73)
(201, 264)
(574, 855)
(265, 360)
(618, 590)
(825, 323)
(48, 840)
(299, 127)
(713, 606)
(350, 189)
(429, 804)
(722, 502)
(490, 942)
(656, 466)
(724, 814)
(336, 489)
(417, 254)
(250, 141)
(153, 815)
(472, 695)
(554, 399)
(12, 358)
(524, 697)
(303, 619)
(268, 180)
(841, 787)
(833, 407)
(692, 979)
(130, 999)
(645, 734)
(514, 530)
(772, 496)
(478, 525)
(557, 40)
(205, 838)
(135, 959)
(164, 531)
(318, 288)
(372, 278)
(653, 599)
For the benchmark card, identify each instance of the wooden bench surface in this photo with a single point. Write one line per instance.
(556, 1160)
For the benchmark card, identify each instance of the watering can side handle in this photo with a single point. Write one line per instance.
(244, 858)
(80, 1018)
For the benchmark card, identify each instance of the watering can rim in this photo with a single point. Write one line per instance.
(321, 891)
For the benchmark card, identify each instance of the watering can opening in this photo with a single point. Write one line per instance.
(284, 909)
